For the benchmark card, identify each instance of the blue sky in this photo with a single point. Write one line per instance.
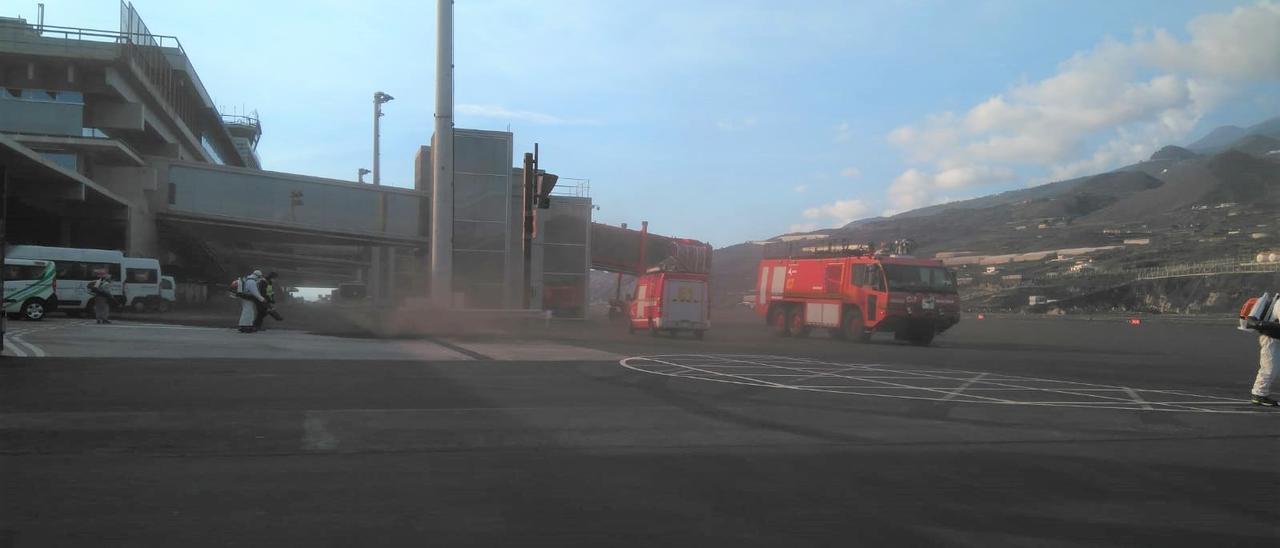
(736, 120)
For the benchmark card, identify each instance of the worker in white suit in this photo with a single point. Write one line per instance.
(251, 301)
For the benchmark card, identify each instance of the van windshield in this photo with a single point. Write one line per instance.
(919, 278)
(13, 272)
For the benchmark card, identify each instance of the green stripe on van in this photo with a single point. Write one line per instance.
(42, 288)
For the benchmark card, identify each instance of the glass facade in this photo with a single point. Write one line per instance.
(67, 160)
(482, 223)
(211, 151)
(562, 256)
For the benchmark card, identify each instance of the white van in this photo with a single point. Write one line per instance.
(142, 283)
(29, 288)
(74, 269)
(168, 293)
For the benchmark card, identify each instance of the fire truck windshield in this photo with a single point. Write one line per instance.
(919, 278)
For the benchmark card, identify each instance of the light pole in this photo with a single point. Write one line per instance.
(380, 270)
(378, 99)
(360, 173)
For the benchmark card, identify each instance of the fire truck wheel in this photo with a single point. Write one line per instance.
(778, 319)
(853, 329)
(795, 321)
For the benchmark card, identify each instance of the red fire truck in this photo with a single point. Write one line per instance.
(670, 301)
(854, 292)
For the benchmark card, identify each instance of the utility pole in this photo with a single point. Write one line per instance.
(529, 196)
(442, 162)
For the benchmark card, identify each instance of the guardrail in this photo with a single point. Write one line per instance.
(1204, 268)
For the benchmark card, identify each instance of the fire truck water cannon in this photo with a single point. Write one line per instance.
(854, 290)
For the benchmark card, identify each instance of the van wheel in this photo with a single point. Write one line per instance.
(139, 305)
(163, 306)
(33, 310)
(778, 319)
(853, 328)
(795, 321)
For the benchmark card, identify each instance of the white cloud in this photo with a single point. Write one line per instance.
(843, 132)
(838, 213)
(503, 113)
(802, 227)
(1112, 105)
(915, 188)
(851, 172)
(736, 125)
(800, 188)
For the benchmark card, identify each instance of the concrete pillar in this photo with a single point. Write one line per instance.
(442, 162)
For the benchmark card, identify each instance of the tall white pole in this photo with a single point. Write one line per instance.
(377, 157)
(378, 276)
(442, 162)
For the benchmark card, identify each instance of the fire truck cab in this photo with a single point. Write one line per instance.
(854, 293)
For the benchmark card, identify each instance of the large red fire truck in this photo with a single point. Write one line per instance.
(853, 292)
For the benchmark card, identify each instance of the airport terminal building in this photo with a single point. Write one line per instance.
(110, 140)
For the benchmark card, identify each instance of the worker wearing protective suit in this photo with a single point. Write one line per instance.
(1266, 369)
(1262, 315)
(251, 301)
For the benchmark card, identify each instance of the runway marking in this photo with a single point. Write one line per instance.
(928, 384)
(17, 338)
(315, 435)
(966, 384)
(1136, 398)
(11, 346)
(22, 348)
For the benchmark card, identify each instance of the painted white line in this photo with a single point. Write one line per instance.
(12, 347)
(315, 437)
(671, 366)
(878, 381)
(35, 349)
(1138, 399)
(757, 381)
(966, 384)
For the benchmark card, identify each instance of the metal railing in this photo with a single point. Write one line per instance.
(569, 186)
(15, 31)
(146, 52)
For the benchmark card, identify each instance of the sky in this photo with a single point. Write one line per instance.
(734, 120)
